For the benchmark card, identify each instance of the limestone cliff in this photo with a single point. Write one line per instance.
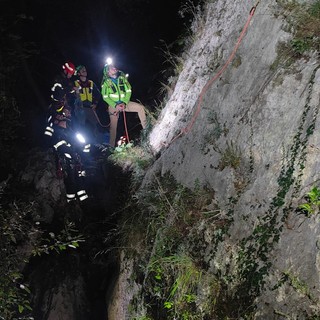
(242, 120)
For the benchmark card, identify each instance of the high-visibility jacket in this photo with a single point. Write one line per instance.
(88, 92)
(117, 90)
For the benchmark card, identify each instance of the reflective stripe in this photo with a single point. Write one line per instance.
(82, 173)
(116, 96)
(82, 195)
(86, 148)
(49, 131)
(55, 86)
(57, 145)
(68, 67)
(81, 192)
(71, 197)
(68, 155)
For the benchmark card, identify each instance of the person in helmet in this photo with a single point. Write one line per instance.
(63, 90)
(116, 92)
(62, 97)
(88, 96)
(63, 137)
(63, 140)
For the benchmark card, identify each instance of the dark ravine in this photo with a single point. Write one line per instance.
(251, 138)
(72, 283)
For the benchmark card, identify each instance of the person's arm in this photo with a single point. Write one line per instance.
(128, 90)
(57, 93)
(105, 91)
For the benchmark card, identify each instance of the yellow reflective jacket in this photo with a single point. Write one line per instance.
(88, 92)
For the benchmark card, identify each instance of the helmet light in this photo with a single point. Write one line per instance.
(80, 138)
(109, 60)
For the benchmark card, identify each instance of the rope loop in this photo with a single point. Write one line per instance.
(218, 74)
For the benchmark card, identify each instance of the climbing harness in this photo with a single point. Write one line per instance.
(62, 165)
(188, 128)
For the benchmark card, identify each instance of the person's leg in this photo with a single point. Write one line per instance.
(113, 126)
(79, 179)
(139, 108)
(91, 117)
(80, 118)
(91, 123)
(69, 177)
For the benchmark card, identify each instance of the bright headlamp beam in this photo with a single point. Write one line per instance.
(80, 137)
(109, 60)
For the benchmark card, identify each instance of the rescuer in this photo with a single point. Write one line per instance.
(64, 139)
(88, 96)
(116, 92)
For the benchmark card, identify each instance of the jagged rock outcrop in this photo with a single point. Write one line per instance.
(67, 282)
(251, 136)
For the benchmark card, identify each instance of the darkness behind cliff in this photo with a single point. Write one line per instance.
(85, 32)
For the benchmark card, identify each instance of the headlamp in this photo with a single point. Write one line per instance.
(109, 60)
(80, 137)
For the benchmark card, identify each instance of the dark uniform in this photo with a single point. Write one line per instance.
(64, 140)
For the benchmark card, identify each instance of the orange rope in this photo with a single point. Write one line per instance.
(125, 125)
(97, 117)
(209, 83)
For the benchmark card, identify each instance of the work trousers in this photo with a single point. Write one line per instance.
(114, 117)
(86, 120)
(70, 163)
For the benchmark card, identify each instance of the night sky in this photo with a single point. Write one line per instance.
(86, 32)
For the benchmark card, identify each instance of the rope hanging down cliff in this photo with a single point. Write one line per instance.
(188, 128)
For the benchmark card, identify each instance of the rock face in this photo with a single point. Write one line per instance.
(250, 134)
(66, 283)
